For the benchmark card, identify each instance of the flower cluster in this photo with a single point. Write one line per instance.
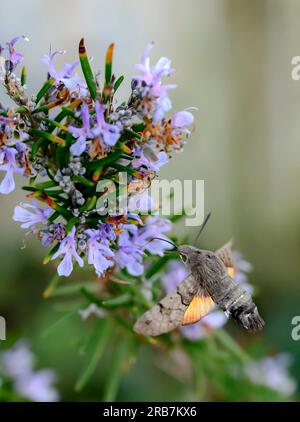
(71, 136)
(17, 365)
(273, 372)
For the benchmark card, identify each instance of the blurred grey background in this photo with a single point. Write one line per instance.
(233, 62)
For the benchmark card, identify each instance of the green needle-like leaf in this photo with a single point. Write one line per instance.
(87, 71)
(45, 185)
(100, 338)
(45, 135)
(118, 83)
(56, 279)
(71, 224)
(47, 85)
(84, 181)
(23, 76)
(128, 170)
(35, 148)
(111, 389)
(90, 204)
(231, 345)
(108, 64)
(93, 165)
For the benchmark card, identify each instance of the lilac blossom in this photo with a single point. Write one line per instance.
(7, 120)
(181, 119)
(272, 372)
(83, 133)
(8, 163)
(155, 227)
(18, 360)
(133, 241)
(68, 249)
(38, 386)
(146, 157)
(15, 56)
(99, 255)
(108, 133)
(73, 83)
(174, 275)
(54, 231)
(150, 77)
(106, 232)
(30, 214)
(18, 365)
(214, 320)
(129, 255)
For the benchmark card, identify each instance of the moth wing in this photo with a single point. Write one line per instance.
(225, 253)
(200, 306)
(168, 313)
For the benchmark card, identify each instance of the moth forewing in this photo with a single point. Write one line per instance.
(169, 312)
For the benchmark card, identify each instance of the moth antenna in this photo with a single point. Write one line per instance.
(163, 240)
(202, 226)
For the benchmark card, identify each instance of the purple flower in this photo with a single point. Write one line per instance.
(155, 227)
(29, 218)
(8, 120)
(73, 83)
(8, 163)
(214, 320)
(82, 134)
(37, 386)
(99, 254)
(272, 372)
(106, 233)
(15, 56)
(133, 241)
(182, 119)
(175, 274)
(150, 78)
(129, 255)
(68, 249)
(146, 157)
(108, 133)
(152, 75)
(18, 360)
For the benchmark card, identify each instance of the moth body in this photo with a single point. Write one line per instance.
(209, 283)
(212, 275)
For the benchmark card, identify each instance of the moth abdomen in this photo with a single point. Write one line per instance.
(244, 311)
(237, 302)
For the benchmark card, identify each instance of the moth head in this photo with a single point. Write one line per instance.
(189, 254)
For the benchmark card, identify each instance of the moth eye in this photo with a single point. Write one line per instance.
(184, 258)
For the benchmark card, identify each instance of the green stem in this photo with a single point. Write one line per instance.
(112, 386)
(101, 338)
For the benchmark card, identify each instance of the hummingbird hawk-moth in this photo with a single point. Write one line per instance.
(210, 282)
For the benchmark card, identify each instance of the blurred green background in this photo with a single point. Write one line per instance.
(233, 62)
